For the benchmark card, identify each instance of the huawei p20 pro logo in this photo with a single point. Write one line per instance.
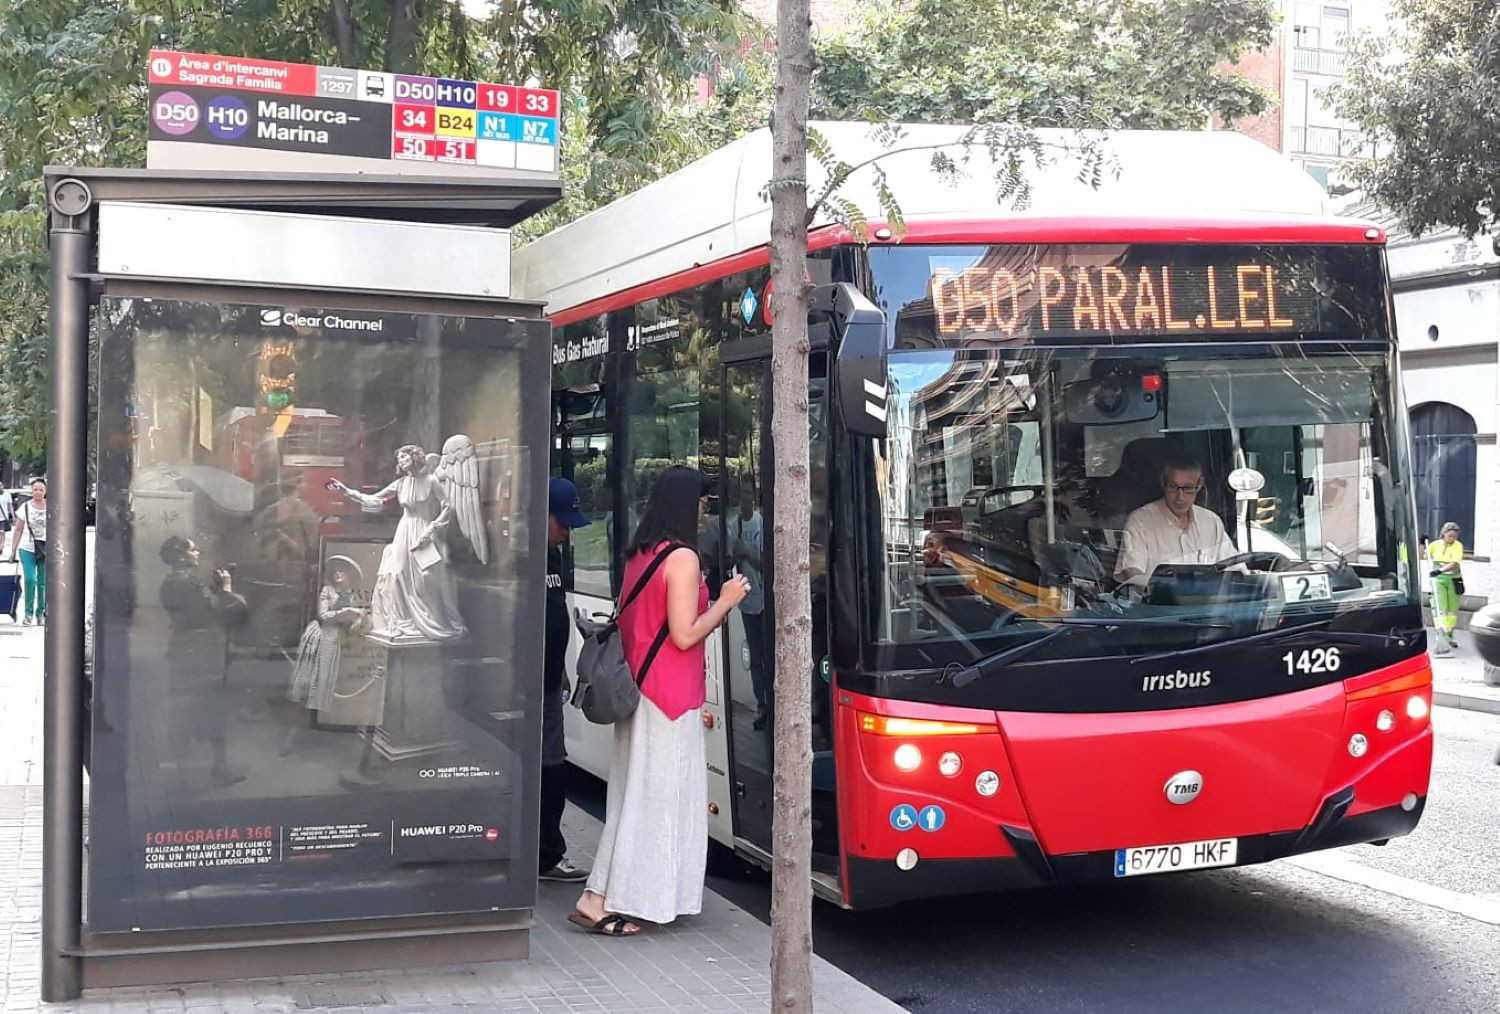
(1178, 680)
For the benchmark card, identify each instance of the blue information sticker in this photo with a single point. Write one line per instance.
(496, 127)
(904, 817)
(533, 131)
(931, 818)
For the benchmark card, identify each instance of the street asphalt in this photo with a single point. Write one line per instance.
(1411, 926)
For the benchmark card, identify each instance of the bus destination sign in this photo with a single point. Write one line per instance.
(1040, 293)
(229, 112)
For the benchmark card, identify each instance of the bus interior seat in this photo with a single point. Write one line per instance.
(1080, 551)
(1136, 482)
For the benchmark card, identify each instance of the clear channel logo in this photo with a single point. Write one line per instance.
(272, 317)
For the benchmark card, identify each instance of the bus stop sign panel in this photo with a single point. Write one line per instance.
(230, 112)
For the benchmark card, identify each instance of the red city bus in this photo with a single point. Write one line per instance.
(1031, 668)
(304, 455)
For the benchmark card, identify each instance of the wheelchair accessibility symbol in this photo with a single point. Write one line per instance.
(904, 817)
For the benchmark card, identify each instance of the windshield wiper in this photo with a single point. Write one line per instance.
(961, 676)
(1319, 628)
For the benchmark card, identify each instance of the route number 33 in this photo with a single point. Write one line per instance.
(1312, 661)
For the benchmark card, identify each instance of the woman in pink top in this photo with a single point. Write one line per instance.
(655, 843)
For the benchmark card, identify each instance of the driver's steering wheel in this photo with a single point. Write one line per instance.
(1264, 561)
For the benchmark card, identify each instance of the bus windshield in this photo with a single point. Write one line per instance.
(1218, 490)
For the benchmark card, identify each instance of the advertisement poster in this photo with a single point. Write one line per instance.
(210, 111)
(317, 681)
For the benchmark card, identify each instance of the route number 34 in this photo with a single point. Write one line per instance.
(1312, 661)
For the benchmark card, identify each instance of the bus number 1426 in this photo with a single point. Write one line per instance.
(1312, 661)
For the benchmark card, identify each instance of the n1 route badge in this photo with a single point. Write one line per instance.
(244, 103)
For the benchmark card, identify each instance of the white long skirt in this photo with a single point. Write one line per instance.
(654, 848)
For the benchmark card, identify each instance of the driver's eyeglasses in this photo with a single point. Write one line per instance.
(1185, 490)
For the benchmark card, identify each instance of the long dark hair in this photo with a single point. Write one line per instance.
(672, 512)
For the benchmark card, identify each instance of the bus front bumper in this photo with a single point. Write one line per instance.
(872, 883)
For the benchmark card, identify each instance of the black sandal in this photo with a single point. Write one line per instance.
(612, 925)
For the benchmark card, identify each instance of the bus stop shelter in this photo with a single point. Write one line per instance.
(320, 454)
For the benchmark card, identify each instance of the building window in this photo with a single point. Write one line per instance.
(1333, 28)
(1305, 23)
(1445, 459)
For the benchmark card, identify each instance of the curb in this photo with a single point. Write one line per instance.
(1466, 702)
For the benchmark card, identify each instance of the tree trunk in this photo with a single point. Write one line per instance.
(791, 828)
(343, 33)
(401, 37)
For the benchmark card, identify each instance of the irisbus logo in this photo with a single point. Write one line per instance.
(1178, 680)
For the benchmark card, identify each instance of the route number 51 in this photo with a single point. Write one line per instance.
(1312, 661)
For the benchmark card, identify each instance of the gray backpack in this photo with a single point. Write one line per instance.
(607, 691)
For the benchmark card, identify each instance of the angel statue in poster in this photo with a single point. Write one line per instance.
(414, 600)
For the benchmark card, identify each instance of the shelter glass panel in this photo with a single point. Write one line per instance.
(315, 692)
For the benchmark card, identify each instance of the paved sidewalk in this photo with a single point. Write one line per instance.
(717, 961)
(1458, 679)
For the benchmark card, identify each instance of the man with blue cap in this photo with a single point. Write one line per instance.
(563, 516)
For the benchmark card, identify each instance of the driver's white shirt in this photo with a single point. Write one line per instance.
(1154, 536)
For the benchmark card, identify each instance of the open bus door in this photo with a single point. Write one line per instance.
(744, 541)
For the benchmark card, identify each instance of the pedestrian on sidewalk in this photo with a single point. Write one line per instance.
(1446, 555)
(28, 539)
(654, 847)
(563, 516)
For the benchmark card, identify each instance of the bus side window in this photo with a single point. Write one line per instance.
(582, 448)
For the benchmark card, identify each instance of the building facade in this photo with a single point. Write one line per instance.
(1308, 56)
(1447, 297)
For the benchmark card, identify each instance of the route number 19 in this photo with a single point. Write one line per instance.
(1312, 661)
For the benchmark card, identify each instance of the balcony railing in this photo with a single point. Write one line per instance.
(1335, 141)
(1320, 61)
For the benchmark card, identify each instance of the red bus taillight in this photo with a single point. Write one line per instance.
(1410, 681)
(886, 725)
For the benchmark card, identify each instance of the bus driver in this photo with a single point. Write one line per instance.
(1172, 529)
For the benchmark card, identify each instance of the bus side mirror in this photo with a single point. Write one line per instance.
(857, 327)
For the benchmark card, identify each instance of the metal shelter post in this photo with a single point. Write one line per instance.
(67, 472)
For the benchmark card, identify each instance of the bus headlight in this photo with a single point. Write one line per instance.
(1358, 744)
(1386, 720)
(1416, 707)
(908, 757)
(987, 783)
(950, 764)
